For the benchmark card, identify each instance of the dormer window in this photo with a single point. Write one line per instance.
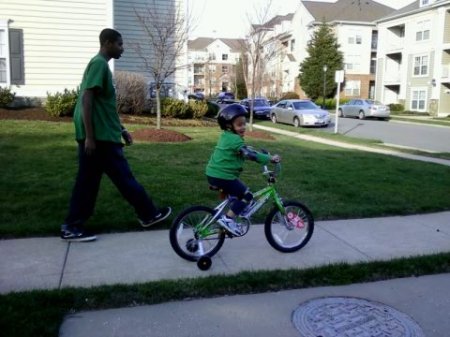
(425, 2)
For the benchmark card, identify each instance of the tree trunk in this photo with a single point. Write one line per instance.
(158, 108)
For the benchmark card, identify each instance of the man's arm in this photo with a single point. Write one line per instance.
(88, 98)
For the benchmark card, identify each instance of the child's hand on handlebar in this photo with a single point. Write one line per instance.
(275, 159)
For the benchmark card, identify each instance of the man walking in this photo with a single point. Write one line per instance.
(99, 135)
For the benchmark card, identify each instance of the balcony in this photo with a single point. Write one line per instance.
(392, 78)
(445, 73)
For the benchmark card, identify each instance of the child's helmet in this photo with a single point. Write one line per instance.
(230, 113)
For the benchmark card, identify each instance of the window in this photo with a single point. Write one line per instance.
(212, 56)
(420, 65)
(3, 53)
(292, 45)
(352, 88)
(418, 99)
(224, 69)
(224, 57)
(424, 2)
(423, 30)
(352, 63)
(355, 39)
(11, 55)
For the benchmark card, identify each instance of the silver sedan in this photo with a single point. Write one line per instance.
(299, 112)
(363, 108)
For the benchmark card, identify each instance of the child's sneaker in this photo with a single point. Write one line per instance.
(76, 234)
(230, 225)
(162, 214)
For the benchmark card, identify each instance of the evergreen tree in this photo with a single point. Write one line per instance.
(323, 49)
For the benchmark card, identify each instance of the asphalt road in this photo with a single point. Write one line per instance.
(420, 136)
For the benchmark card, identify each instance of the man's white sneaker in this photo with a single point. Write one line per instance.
(230, 225)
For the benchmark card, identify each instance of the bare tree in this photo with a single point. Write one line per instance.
(258, 51)
(166, 29)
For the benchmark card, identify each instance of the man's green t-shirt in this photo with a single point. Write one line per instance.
(226, 162)
(105, 119)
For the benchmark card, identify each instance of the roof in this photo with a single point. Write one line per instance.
(347, 10)
(413, 7)
(202, 43)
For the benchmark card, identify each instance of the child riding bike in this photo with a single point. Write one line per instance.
(227, 160)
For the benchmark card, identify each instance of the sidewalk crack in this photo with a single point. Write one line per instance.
(64, 266)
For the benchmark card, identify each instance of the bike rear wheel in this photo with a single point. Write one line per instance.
(289, 232)
(191, 239)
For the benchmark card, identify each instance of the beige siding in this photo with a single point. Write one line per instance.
(60, 36)
(447, 27)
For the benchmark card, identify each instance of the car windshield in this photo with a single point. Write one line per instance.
(372, 102)
(261, 102)
(305, 105)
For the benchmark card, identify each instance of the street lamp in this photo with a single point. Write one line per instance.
(325, 68)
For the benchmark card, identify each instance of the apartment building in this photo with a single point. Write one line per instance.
(212, 64)
(354, 24)
(45, 45)
(414, 57)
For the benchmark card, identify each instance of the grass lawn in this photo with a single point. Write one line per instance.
(39, 163)
(38, 166)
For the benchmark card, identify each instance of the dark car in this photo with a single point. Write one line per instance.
(261, 107)
(225, 98)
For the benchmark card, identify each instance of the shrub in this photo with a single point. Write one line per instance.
(6, 96)
(199, 108)
(290, 95)
(61, 104)
(330, 103)
(175, 108)
(397, 107)
(131, 92)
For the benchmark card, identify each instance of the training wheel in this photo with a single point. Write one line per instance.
(204, 263)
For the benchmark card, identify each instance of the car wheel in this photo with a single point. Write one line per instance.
(274, 119)
(361, 114)
(341, 113)
(296, 122)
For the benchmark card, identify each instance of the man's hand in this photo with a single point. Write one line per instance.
(89, 146)
(127, 137)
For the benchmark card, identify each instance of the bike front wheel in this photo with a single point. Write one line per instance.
(191, 237)
(290, 231)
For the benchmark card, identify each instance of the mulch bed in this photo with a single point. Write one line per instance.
(145, 134)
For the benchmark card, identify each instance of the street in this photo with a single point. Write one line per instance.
(429, 138)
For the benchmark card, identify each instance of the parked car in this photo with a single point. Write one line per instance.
(225, 98)
(261, 107)
(363, 108)
(299, 112)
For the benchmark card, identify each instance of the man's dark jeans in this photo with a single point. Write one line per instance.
(108, 158)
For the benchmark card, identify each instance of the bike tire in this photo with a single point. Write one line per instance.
(184, 239)
(290, 232)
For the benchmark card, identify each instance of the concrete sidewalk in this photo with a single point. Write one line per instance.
(423, 302)
(49, 263)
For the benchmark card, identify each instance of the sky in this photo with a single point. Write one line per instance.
(229, 18)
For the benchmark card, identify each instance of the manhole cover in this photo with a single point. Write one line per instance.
(348, 317)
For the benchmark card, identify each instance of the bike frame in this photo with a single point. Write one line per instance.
(204, 230)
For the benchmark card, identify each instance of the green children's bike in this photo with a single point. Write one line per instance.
(195, 234)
